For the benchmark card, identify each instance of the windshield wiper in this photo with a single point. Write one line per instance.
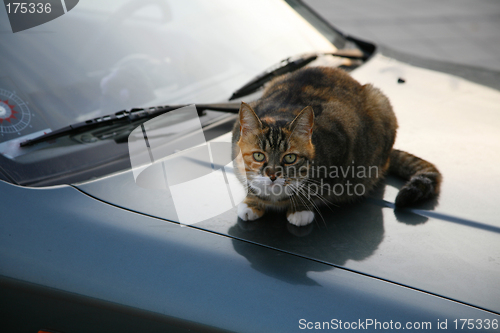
(130, 116)
(126, 117)
(288, 65)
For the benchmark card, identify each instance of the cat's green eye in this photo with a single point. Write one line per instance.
(259, 157)
(290, 158)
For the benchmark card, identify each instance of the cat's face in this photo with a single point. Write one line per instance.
(277, 155)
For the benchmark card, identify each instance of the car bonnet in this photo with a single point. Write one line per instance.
(449, 246)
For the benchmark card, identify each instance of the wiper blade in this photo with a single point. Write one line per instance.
(125, 117)
(284, 66)
(289, 65)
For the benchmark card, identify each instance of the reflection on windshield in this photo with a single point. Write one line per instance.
(105, 56)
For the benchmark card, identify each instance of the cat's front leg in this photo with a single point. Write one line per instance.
(299, 217)
(250, 209)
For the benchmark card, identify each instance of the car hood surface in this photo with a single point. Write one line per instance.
(449, 247)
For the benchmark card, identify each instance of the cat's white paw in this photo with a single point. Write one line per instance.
(246, 213)
(301, 218)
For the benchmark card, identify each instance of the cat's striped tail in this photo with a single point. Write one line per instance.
(424, 179)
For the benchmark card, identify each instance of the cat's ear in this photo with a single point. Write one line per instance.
(249, 122)
(302, 125)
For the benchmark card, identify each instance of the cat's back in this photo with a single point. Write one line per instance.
(318, 87)
(351, 121)
(339, 102)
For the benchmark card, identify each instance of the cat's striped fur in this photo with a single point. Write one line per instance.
(326, 120)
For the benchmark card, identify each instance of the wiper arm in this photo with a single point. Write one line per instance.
(126, 117)
(288, 65)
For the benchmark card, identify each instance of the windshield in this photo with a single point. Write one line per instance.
(105, 56)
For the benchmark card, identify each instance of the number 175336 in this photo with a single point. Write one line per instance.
(478, 324)
(28, 8)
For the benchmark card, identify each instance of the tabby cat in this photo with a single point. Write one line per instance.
(318, 137)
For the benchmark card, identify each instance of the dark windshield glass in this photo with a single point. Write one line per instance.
(106, 56)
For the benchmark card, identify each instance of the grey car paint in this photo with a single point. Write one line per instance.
(90, 252)
(448, 247)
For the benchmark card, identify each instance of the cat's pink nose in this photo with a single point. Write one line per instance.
(272, 177)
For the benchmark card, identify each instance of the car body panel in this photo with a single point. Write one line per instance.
(449, 246)
(91, 250)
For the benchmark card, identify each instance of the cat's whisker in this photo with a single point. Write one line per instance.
(294, 205)
(326, 203)
(321, 197)
(307, 196)
(319, 212)
(316, 194)
(298, 196)
(303, 184)
(314, 181)
(300, 192)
